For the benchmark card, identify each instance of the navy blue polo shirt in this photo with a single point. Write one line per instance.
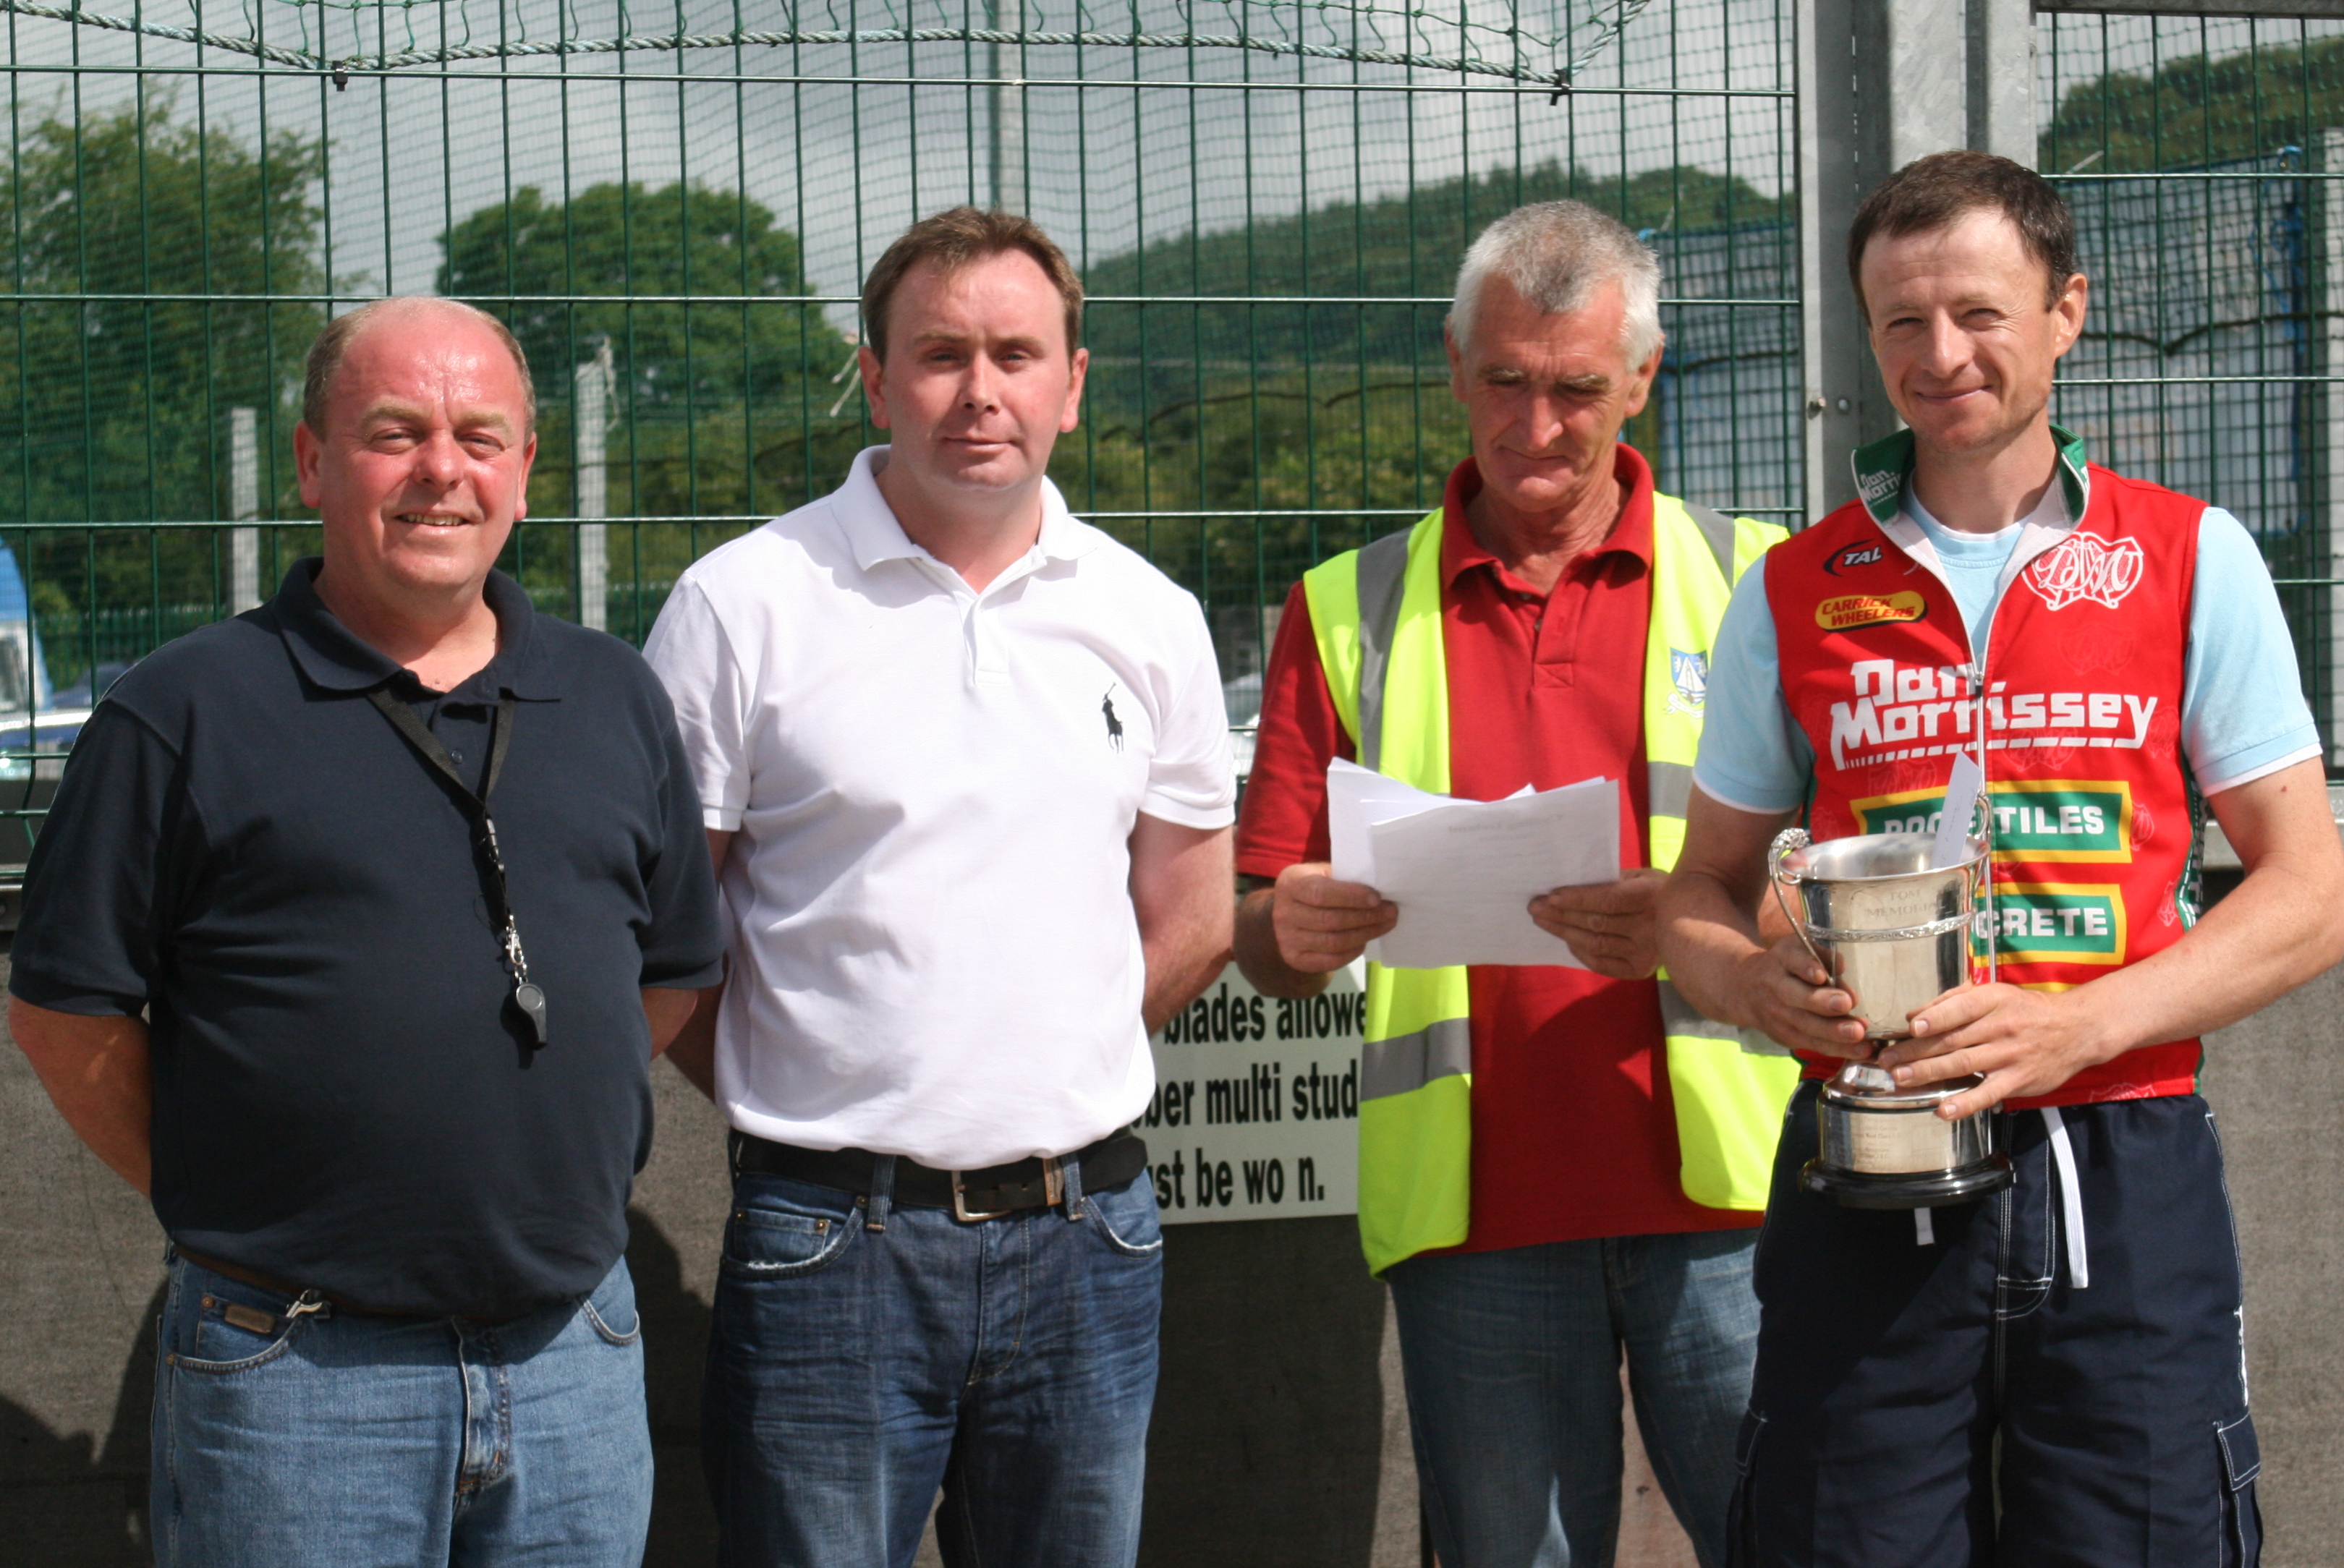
(246, 848)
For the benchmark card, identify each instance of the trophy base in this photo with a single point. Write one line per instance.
(1908, 1190)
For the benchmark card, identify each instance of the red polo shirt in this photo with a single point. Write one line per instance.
(1574, 1132)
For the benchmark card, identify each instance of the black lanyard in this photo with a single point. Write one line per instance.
(526, 996)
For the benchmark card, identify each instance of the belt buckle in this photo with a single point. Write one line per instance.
(1053, 1192)
(960, 1202)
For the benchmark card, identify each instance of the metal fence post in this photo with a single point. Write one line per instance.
(2331, 365)
(1840, 384)
(1999, 113)
(1005, 103)
(244, 503)
(1881, 83)
(593, 382)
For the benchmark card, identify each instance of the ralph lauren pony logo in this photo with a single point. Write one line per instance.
(1114, 725)
(2085, 567)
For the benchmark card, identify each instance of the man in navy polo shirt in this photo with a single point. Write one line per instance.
(349, 941)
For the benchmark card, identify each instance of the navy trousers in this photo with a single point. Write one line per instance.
(2004, 1387)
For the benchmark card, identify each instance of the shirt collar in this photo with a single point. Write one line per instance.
(874, 535)
(1884, 467)
(1630, 536)
(332, 656)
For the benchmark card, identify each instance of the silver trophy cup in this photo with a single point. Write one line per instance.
(1894, 933)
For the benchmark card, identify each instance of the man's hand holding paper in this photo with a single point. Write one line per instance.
(1323, 924)
(1463, 876)
(1608, 925)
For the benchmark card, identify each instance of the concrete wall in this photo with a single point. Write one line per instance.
(1280, 1436)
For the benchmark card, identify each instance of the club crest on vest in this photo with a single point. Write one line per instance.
(2085, 567)
(1689, 673)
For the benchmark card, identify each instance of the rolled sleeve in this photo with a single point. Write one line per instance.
(1191, 779)
(696, 663)
(98, 886)
(1753, 757)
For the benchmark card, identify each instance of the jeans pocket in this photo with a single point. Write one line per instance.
(1740, 1521)
(780, 1229)
(228, 1330)
(1129, 1219)
(610, 1311)
(2242, 1516)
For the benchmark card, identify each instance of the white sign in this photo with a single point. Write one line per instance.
(1256, 1107)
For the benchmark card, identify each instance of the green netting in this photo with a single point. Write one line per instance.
(1550, 47)
(1267, 201)
(2200, 156)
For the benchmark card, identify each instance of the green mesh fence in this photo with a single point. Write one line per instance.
(674, 207)
(2201, 157)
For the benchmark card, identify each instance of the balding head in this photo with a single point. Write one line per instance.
(333, 346)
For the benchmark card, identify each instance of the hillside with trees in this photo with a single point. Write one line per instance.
(1259, 406)
(2197, 109)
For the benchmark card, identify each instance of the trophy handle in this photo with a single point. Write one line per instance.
(1787, 842)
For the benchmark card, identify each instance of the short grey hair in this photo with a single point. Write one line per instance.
(1556, 254)
(326, 353)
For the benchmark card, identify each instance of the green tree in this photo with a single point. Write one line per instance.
(116, 408)
(721, 407)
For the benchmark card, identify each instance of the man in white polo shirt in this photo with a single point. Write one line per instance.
(966, 774)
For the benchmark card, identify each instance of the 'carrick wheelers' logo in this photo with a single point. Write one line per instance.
(1844, 612)
(2085, 567)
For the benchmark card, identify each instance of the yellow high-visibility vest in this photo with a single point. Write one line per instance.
(1375, 612)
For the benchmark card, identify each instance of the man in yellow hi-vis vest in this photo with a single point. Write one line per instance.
(1555, 1162)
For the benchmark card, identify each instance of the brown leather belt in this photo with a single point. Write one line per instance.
(986, 1194)
(295, 1294)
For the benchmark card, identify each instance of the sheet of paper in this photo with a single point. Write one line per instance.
(1961, 805)
(1463, 872)
(1357, 798)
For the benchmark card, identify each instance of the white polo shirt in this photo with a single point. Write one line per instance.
(933, 951)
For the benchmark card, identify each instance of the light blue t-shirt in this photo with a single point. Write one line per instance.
(2242, 708)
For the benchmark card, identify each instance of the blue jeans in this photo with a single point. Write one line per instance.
(348, 1440)
(1512, 1365)
(853, 1370)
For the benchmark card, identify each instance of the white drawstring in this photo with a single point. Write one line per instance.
(2071, 1198)
(1924, 1229)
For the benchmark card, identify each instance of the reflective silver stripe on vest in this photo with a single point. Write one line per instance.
(1682, 1018)
(1408, 1062)
(1679, 1016)
(1383, 576)
(1668, 786)
(1718, 530)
